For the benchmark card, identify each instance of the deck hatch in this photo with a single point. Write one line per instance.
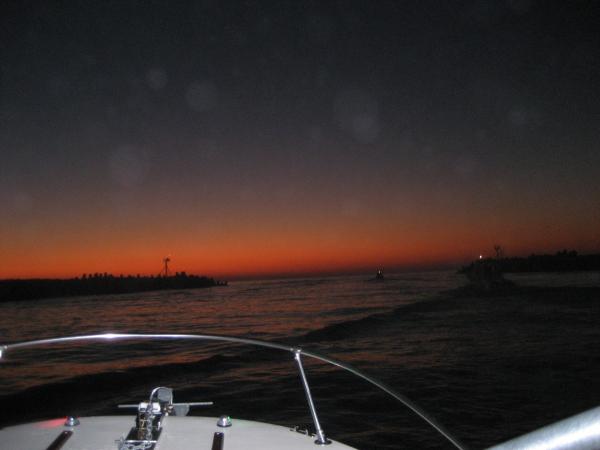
(60, 440)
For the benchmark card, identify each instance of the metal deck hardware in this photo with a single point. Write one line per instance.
(224, 422)
(321, 439)
(71, 421)
(236, 340)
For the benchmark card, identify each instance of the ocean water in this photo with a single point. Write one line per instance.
(487, 367)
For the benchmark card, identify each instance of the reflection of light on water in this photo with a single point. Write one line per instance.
(555, 279)
(274, 310)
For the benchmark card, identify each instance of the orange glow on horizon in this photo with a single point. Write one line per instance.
(263, 242)
(257, 256)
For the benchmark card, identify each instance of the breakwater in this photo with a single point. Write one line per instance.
(98, 284)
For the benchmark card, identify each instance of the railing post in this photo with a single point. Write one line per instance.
(4, 349)
(321, 439)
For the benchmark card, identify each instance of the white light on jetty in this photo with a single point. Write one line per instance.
(480, 256)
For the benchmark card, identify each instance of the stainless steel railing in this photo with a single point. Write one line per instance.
(580, 432)
(295, 351)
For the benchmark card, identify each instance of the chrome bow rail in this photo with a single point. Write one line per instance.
(295, 351)
(580, 432)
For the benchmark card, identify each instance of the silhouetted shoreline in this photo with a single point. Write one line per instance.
(488, 274)
(98, 284)
(563, 261)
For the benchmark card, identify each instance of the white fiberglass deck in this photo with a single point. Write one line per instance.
(104, 432)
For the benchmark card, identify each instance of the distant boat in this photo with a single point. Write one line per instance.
(378, 276)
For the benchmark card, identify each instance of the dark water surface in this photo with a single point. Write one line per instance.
(489, 367)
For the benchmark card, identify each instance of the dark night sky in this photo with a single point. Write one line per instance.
(295, 136)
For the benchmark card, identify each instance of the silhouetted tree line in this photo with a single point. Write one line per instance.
(99, 284)
(562, 261)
